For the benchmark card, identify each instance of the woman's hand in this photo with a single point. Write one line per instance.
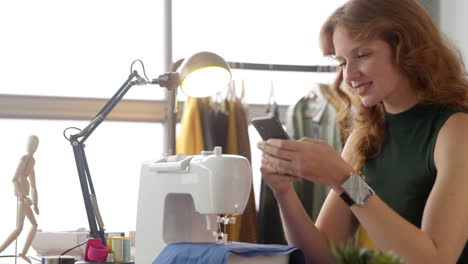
(310, 159)
(278, 183)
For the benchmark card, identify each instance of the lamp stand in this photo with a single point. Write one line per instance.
(96, 224)
(171, 81)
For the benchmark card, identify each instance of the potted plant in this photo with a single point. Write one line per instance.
(350, 253)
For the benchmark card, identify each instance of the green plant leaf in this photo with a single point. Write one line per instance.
(350, 253)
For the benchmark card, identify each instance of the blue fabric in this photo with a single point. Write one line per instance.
(202, 253)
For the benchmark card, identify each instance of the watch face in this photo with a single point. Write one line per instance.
(357, 189)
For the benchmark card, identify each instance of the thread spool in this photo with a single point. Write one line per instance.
(58, 260)
(120, 247)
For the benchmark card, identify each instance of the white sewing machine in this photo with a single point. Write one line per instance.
(189, 199)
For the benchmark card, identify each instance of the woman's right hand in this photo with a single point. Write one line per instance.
(278, 183)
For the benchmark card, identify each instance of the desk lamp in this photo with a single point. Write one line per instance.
(203, 74)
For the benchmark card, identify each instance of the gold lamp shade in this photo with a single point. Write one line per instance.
(204, 74)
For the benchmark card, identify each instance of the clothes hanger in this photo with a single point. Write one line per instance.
(325, 90)
(218, 103)
(242, 96)
(311, 95)
(271, 98)
(230, 94)
(232, 91)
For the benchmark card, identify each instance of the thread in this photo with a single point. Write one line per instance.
(58, 260)
(120, 248)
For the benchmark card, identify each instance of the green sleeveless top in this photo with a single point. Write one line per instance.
(403, 173)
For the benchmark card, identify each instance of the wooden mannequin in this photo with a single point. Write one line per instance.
(24, 181)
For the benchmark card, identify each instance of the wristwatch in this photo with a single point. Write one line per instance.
(355, 190)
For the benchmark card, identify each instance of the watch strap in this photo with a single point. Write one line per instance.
(346, 199)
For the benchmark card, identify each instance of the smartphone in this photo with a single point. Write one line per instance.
(269, 127)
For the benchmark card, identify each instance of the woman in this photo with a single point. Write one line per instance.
(408, 136)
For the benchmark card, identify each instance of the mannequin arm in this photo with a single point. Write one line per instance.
(32, 182)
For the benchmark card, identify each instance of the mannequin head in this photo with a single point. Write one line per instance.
(33, 142)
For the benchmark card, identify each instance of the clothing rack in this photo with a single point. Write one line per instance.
(257, 110)
(270, 67)
(281, 67)
(268, 215)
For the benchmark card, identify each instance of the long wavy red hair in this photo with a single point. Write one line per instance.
(420, 50)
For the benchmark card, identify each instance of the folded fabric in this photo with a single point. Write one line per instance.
(47, 243)
(202, 253)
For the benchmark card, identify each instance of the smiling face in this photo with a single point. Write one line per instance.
(370, 71)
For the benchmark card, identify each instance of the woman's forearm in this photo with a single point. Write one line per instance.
(391, 232)
(300, 230)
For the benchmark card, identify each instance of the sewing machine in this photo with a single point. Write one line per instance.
(189, 199)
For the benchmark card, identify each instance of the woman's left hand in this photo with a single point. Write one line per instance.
(310, 159)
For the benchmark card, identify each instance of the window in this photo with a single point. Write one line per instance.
(79, 49)
(262, 31)
(114, 160)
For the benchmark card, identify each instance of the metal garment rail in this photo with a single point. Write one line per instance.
(282, 67)
(270, 67)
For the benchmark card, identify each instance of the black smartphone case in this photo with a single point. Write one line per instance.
(269, 127)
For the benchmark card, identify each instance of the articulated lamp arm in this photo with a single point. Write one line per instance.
(77, 141)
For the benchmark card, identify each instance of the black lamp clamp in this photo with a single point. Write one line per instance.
(170, 80)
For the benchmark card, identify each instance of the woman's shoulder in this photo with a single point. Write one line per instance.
(456, 124)
(452, 139)
(450, 108)
(453, 118)
(441, 116)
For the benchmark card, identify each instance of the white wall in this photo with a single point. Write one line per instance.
(453, 18)
(432, 6)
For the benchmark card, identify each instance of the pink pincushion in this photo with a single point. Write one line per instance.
(95, 250)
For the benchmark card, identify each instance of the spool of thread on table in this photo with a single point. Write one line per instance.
(58, 260)
(120, 247)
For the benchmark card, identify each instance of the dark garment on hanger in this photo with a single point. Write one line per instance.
(249, 226)
(243, 130)
(220, 126)
(275, 110)
(207, 117)
(272, 110)
(270, 229)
